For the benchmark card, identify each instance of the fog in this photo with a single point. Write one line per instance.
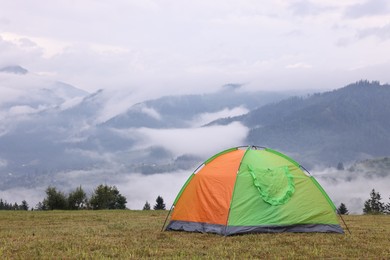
(352, 188)
(137, 188)
(140, 188)
(342, 187)
(197, 141)
(206, 118)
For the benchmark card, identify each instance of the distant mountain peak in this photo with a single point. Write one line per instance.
(14, 69)
(232, 86)
(366, 83)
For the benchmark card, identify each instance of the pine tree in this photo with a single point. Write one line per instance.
(374, 204)
(107, 197)
(387, 207)
(340, 166)
(77, 199)
(159, 204)
(342, 209)
(24, 205)
(55, 199)
(146, 206)
(40, 206)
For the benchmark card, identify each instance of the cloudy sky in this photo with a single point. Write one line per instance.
(171, 46)
(160, 47)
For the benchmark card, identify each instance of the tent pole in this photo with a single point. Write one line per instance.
(345, 224)
(165, 222)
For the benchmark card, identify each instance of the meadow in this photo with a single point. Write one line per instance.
(127, 234)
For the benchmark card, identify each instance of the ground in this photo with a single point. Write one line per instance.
(126, 234)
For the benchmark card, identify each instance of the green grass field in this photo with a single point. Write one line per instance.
(137, 234)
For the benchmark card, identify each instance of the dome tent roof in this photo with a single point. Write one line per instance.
(252, 189)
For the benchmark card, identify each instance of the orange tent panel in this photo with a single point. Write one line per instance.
(207, 197)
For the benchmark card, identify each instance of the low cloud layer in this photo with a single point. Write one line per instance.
(206, 118)
(197, 141)
(141, 188)
(137, 188)
(342, 187)
(352, 188)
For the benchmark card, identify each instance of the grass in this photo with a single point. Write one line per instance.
(136, 235)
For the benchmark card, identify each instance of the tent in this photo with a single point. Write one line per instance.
(252, 189)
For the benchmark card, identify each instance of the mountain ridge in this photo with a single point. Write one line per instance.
(14, 69)
(320, 129)
(346, 123)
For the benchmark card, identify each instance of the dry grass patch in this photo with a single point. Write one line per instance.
(136, 234)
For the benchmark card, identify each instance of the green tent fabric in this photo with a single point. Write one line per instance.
(252, 189)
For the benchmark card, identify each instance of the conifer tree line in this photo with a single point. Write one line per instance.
(4, 205)
(103, 197)
(108, 197)
(160, 205)
(373, 205)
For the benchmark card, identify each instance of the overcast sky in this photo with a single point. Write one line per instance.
(172, 46)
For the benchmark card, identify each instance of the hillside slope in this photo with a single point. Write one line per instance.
(342, 125)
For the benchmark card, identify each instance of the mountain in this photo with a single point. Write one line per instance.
(377, 167)
(14, 69)
(180, 111)
(53, 129)
(325, 128)
(53, 133)
(31, 128)
(26, 92)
